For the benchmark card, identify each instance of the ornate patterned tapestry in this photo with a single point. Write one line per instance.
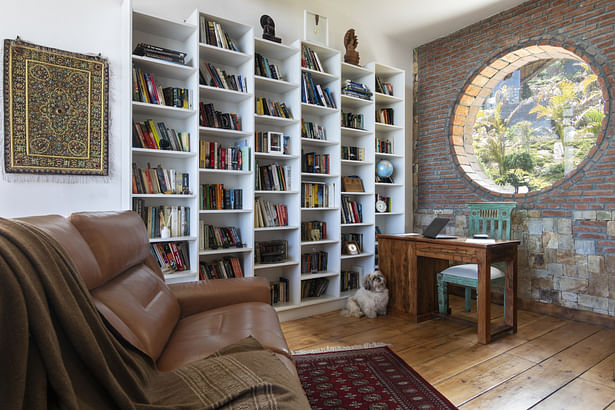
(55, 111)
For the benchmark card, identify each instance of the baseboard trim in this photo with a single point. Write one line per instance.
(567, 313)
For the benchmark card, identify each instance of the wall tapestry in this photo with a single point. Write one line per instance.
(55, 111)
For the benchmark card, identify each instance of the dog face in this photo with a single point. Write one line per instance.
(375, 282)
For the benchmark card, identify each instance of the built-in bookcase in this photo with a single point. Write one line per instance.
(301, 141)
(182, 37)
(390, 145)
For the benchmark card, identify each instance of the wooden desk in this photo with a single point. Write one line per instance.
(410, 264)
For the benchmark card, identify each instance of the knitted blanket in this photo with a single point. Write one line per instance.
(57, 352)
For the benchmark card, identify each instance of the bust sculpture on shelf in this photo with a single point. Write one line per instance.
(351, 43)
(269, 29)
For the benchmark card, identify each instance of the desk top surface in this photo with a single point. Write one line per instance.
(459, 241)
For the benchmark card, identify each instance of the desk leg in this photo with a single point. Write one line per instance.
(511, 292)
(484, 301)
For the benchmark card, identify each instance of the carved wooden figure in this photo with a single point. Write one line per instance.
(351, 42)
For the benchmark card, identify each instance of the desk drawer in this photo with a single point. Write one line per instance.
(449, 252)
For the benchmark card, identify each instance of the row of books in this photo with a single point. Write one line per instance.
(279, 291)
(212, 155)
(385, 116)
(145, 89)
(220, 79)
(384, 146)
(358, 90)
(213, 33)
(161, 53)
(159, 181)
(273, 108)
(271, 251)
(313, 131)
(351, 120)
(272, 177)
(216, 196)
(214, 237)
(314, 262)
(383, 87)
(271, 142)
(386, 199)
(264, 68)
(267, 214)
(176, 218)
(316, 94)
(151, 135)
(353, 153)
(317, 195)
(313, 231)
(315, 163)
(314, 288)
(353, 237)
(209, 117)
(352, 211)
(225, 268)
(349, 280)
(171, 256)
(309, 59)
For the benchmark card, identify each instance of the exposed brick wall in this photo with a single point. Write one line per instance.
(568, 231)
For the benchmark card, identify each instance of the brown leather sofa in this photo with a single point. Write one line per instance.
(173, 324)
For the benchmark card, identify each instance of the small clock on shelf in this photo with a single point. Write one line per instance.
(381, 206)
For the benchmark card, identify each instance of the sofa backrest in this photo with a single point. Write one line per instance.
(110, 251)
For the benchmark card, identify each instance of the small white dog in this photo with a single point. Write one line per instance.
(370, 300)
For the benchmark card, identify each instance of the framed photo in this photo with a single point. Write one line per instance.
(315, 28)
(275, 141)
(351, 248)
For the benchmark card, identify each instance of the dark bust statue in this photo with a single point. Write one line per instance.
(269, 29)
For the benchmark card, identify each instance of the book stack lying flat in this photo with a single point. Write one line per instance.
(161, 53)
(357, 90)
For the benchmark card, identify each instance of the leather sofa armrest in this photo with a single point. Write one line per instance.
(195, 297)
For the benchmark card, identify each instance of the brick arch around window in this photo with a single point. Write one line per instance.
(479, 87)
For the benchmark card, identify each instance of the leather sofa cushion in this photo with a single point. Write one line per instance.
(199, 335)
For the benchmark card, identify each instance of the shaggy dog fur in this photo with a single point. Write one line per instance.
(370, 300)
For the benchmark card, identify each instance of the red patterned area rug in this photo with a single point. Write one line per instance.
(364, 378)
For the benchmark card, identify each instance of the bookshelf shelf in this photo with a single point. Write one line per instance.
(164, 68)
(157, 110)
(355, 163)
(223, 56)
(277, 51)
(308, 276)
(206, 91)
(173, 239)
(181, 276)
(356, 71)
(166, 196)
(273, 86)
(274, 121)
(311, 141)
(276, 228)
(162, 153)
(275, 265)
(223, 171)
(361, 255)
(385, 155)
(319, 209)
(387, 127)
(320, 75)
(224, 211)
(275, 156)
(209, 131)
(162, 26)
(387, 99)
(313, 175)
(224, 251)
(347, 193)
(313, 109)
(321, 242)
(355, 132)
(355, 102)
(275, 192)
(357, 224)
(387, 185)
(388, 213)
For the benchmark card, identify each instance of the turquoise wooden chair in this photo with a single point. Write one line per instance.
(493, 219)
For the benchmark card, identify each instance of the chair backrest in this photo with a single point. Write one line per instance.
(491, 218)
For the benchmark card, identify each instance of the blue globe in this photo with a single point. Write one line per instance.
(384, 168)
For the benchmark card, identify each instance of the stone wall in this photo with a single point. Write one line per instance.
(567, 231)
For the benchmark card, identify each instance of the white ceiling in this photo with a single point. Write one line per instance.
(416, 22)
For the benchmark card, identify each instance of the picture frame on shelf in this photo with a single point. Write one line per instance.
(315, 28)
(351, 248)
(275, 142)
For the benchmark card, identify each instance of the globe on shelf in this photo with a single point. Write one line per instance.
(384, 168)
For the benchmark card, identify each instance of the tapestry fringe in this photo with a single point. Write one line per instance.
(328, 349)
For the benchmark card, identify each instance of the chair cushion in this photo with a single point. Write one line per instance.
(202, 334)
(470, 271)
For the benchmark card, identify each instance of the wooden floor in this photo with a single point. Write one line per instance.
(549, 364)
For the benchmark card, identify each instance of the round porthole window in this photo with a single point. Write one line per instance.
(528, 119)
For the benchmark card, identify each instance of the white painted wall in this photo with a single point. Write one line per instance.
(79, 26)
(95, 26)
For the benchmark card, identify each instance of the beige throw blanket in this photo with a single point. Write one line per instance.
(57, 352)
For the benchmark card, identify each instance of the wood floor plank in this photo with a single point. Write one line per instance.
(532, 386)
(602, 373)
(580, 394)
(482, 377)
(555, 341)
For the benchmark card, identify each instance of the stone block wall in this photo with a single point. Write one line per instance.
(567, 232)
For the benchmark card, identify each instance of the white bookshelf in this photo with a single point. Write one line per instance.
(179, 36)
(392, 220)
